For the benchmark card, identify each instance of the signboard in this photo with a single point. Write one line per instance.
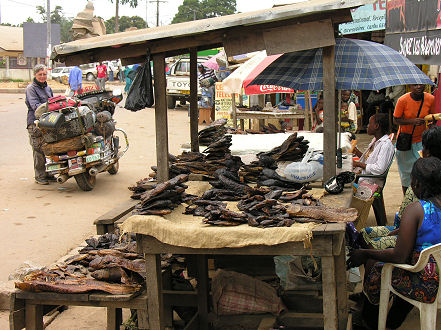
(34, 38)
(366, 18)
(223, 103)
(413, 28)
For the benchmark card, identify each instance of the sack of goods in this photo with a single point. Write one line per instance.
(307, 170)
(64, 123)
(207, 82)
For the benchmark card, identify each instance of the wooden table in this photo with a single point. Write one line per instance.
(262, 115)
(327, 243)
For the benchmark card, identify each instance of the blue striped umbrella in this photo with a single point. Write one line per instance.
(359, 64)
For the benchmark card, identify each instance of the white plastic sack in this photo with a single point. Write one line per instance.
(305, 171)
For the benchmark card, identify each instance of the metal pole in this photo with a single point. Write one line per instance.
(48, 40)
(146, 13)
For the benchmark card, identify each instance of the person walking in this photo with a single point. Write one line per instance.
(37, 93)
(75, 81)
(101, 73)
(409, 112)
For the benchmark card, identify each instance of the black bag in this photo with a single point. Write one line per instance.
(404, 140)
(140, 94)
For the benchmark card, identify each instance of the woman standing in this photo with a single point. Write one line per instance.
(37, 93)
(409, 112)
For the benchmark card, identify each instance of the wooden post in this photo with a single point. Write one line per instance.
(154, 294)
(194, 113)
(203, 290)
(34, 317)
(330, 115)
(307, 125)
(233, 100)
(161, 125)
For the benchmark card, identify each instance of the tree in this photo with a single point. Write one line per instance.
(125, 22)
(191, 10)
(132, 3)
(57, 17)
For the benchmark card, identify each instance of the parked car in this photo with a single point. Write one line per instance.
(178, 82)
(89, 69)
(58, 73)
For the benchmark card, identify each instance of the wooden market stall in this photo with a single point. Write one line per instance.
(309, 25)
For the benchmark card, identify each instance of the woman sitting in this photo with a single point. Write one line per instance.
(419, 229)
(382, 237)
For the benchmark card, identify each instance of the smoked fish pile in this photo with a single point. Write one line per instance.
(213, 132)
(293, 149)
(218, 149)
(163, 197)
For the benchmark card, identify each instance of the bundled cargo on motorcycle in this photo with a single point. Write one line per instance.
(79, 135)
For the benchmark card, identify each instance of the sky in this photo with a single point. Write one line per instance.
(17, 11)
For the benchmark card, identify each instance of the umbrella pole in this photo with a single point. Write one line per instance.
(339, 151)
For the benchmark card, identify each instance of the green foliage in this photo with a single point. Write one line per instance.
(57, 17)
(125, 22)
(191, 10)
(132, 3)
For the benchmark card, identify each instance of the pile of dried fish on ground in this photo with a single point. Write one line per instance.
(219, 149)
(269, 129)
(163, 197)
(213, 132)
(293, 149)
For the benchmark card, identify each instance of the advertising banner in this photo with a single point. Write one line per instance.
(366, 18)
(413, 28)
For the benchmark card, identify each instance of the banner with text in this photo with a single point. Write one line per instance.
(413, 28)
(366, 18)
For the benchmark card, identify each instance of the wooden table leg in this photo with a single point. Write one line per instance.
(242, 125)
(154, 291)
(114, 318)
(203, 293)
(329, 293)
(342, 296)
(34, 317)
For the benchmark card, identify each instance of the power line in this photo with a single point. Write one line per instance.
(21, 3)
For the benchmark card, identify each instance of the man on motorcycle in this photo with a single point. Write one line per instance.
(37, 93)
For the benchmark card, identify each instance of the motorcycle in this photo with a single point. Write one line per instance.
(80, 136)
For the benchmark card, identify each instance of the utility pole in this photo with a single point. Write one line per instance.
(157, 10)
(48, 38)
(146, 14)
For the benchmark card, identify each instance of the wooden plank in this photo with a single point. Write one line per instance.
(180, 298)
(341, 282)
(329, 293)
(161, 125)
(194, 100)
(330, 115)
(17, 319)
(154, 295)
(302, 320)
(135, 303)
(34, 317)
(202, 291)
(61, 297)
(267, 323)
(321, 246)
(117, 212)
(242, 43)
(193, 324)
(308, 35)
(268, 115)
(115, 297)
(234, 113)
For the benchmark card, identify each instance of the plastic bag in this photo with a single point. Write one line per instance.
(298, 272)
(140, 94)
(306, 170)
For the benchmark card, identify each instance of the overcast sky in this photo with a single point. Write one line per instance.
(17, 11)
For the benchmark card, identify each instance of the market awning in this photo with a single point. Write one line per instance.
(303, 25)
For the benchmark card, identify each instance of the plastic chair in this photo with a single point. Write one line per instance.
(427, 311)
(378, 203)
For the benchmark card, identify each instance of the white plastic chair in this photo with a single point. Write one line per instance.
(427, 311)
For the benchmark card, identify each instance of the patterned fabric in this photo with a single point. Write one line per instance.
(359, 64)
(409, 198)
(378, 237)
(429, 233)
(421, 286)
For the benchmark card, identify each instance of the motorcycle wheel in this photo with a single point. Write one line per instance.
(85, 181)
(114, 168)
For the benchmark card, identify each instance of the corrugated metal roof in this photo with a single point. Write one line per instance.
(11, 38)
(200, 27)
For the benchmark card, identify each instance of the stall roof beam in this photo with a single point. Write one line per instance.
(204, 34)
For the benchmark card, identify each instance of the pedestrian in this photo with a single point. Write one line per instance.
(409, 112)
(75, 81)
(101, 73)
(37, 93)
(348, 111)
(121, 72)
(207, 80)
(110, 72)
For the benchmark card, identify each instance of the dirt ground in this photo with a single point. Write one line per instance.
(40, 224)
